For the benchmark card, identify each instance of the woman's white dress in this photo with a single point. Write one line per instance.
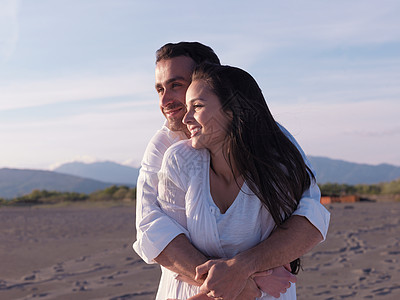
(184, 195)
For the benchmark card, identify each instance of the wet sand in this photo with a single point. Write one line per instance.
(84, 252)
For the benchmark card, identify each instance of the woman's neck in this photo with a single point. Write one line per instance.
(220, 166)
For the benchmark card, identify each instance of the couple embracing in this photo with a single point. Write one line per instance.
(227, 201)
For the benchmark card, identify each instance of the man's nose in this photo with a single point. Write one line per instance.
(165, 98)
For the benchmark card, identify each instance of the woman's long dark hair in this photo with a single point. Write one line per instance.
(272, 166)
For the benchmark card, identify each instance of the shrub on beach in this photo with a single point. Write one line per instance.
(390, 188)
(114, 192)
(336, 189)
(384, 188)
(44, 196)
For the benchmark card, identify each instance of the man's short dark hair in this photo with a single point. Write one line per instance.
(198, 52)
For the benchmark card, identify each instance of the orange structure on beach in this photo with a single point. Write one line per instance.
(339, 199)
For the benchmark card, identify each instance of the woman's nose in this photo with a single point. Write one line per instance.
(188, 117)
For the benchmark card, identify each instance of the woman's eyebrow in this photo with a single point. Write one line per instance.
(194, 99)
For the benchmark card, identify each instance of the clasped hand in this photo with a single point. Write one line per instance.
(226, 279)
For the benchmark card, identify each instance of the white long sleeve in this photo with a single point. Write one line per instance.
(154, 229)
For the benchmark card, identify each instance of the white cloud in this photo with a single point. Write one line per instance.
(364, 132)
(119, 135)
(133, 162)
(261, 28)
(79, 87)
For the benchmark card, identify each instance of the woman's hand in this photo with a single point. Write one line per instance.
(187, 280)
(276, 283)
(250, 292)
(197, 297)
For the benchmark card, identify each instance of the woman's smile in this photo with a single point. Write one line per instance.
(205, 119)
(194, 131)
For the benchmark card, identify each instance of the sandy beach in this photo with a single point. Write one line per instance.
(84, 252)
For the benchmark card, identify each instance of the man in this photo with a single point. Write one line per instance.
(162, 240)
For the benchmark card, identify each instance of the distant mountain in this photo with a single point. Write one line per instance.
(87, 178)
(103, 171)
(16, 182)
(328, 170)
(339, 171)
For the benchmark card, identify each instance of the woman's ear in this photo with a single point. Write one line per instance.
(229, 114)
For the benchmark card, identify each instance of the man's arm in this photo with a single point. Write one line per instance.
(297, 237)
(181, 257)
(154, 229)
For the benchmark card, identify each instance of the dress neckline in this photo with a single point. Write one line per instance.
(208, 183)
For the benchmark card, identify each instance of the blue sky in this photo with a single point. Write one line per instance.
(77, 77)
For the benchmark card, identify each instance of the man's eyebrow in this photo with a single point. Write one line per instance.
(176, 78)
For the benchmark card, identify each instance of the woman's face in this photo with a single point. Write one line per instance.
(205, 119)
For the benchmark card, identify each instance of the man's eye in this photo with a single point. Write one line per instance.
(175, 84)
(159, 91)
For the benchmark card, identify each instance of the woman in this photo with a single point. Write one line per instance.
(236, 179)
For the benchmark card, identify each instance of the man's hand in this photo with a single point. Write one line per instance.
(223, 278)
(276, 283)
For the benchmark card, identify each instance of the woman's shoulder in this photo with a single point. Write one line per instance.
(183, 149)
(183, 154)
(181, 145)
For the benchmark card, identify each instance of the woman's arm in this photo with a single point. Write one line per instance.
(276, 282)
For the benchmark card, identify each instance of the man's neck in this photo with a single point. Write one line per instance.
(182, 129)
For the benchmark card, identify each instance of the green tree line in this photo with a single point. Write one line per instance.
(112, 193)
(124, 193)
(385, 188)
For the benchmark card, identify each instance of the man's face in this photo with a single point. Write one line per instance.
(173, 77)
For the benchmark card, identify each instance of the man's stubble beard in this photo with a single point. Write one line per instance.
(177, 125)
